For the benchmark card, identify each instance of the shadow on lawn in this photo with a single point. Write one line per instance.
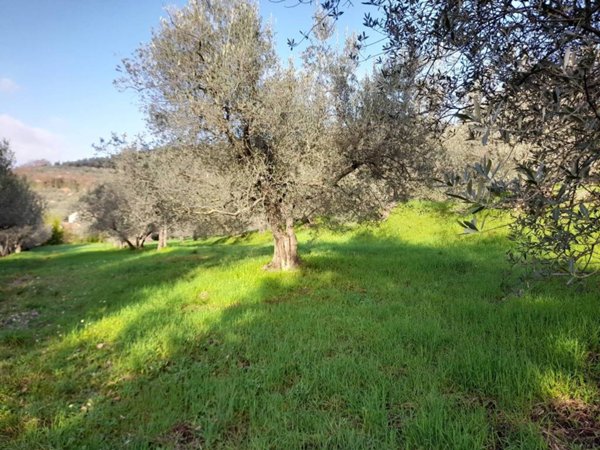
(373, 344)
(91, 284)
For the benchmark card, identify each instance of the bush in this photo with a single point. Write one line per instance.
(57, 235)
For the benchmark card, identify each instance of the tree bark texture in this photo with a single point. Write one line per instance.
(162, 237)
(285, 253)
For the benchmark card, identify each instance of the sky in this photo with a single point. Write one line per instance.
(58, 60)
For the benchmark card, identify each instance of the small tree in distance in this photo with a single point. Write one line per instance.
(142, 175)
(111, 210)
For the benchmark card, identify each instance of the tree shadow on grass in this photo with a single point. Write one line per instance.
(375, 343)
(76, 285)
(49, 357)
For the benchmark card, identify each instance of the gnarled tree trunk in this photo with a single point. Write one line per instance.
(285, 254)
(4, 249)
(162, 237)
(125, 241)
(141, 239)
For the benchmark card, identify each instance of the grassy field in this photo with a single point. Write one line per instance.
(403, 335)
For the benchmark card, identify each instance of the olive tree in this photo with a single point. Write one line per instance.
(142, 176)
(138, 173)
(21, 209)
(266, 141)
(153, 188)
(521, 72)
(111, 209)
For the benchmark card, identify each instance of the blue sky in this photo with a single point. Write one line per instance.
(58, 60)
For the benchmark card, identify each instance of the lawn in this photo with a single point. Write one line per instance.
(401, 335)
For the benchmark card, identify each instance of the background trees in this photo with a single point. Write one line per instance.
(21, 209)
(266, 141)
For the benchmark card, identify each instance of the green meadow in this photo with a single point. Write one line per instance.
(402, 335)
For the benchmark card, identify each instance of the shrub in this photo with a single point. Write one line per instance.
(57, 235)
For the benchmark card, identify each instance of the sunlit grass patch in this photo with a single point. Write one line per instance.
(401, 335)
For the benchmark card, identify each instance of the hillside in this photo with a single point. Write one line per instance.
(403, 335)
(62, 186)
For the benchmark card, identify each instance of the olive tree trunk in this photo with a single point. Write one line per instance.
(4, 248)
(130, 245)
(285, 253)
(162, 237)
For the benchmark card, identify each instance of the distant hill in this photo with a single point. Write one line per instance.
(62, 185)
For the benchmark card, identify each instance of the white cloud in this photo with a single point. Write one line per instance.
(30, 143)
(8, 86)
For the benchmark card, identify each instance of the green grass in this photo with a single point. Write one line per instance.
(402, 335)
